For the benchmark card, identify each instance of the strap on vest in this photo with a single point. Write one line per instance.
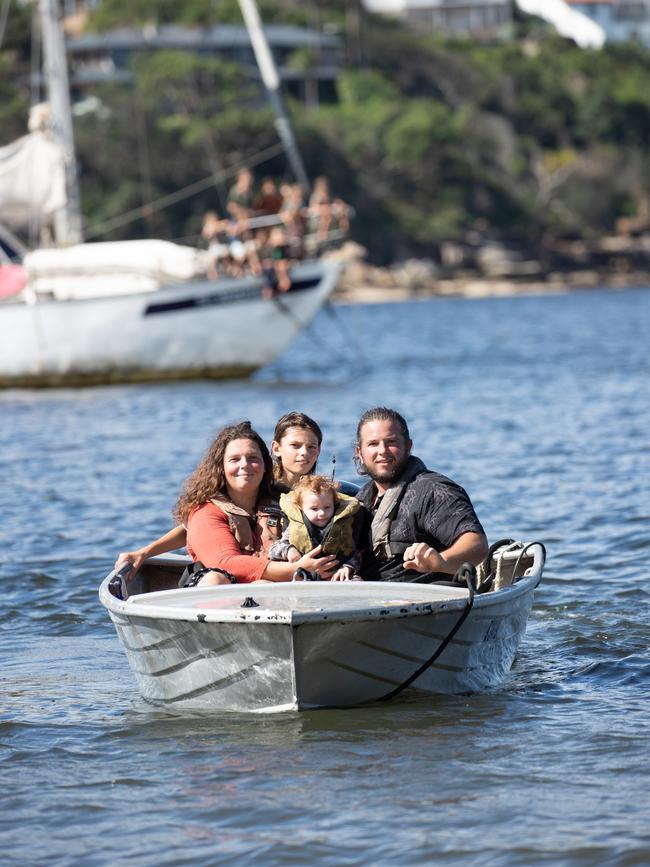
(390, 502)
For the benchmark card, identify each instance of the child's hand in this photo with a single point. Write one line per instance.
(293, 554)
(345, 573)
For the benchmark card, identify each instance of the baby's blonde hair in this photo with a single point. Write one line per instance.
(314, 485)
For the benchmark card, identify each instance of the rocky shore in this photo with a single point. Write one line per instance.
(495, 270)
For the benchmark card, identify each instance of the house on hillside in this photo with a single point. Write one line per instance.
(308, 62)
(480, 19)
(622, 20)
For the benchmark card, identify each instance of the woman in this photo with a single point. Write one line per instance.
(220, 504)
(296, 446)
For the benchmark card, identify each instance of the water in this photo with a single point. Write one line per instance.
(540, 407)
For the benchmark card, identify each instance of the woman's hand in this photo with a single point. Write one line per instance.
(313, 562)
(135, 558)
(344, 573)
(423, 558)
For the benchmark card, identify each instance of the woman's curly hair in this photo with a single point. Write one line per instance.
(209, 479)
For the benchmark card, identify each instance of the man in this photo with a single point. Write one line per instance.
(424, 526)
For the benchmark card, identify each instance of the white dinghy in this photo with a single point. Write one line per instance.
(302, 645)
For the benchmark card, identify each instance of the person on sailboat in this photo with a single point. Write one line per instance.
(269, 199)
(320, 208)
(293, 213)
(214, 236)
(276, 263)
(241, 243)
(424, 526)
(242, 192)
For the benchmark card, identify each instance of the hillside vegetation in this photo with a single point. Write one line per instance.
(530, 141)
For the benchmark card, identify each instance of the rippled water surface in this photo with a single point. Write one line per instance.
(540, 407)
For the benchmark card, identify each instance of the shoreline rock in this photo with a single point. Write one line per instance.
(365, 283)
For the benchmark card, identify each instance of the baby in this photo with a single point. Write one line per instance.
(318, 514)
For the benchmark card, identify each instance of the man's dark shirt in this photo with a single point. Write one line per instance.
(433, 509)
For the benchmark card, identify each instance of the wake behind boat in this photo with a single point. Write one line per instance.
(301, 645)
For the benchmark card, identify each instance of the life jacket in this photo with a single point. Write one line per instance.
(339, 538)
(384, 545)
(269, 520)
(254, 533)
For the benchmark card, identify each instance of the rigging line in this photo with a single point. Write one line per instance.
(347, 333)
(197, 187)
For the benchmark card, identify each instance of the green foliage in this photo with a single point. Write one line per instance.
(14, 74)
(14, 107)
(428, 140)
(16, 37)
(421, 127)
(135, 13)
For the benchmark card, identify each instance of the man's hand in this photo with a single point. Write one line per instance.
(423, 558)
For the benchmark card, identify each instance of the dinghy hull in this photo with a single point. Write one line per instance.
(311, 645)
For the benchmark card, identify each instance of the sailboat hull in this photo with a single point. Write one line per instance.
(202, 328)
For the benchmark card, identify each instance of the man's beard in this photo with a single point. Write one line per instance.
(388, 474)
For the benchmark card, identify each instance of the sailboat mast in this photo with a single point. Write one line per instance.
(68, 220)
(271, 81)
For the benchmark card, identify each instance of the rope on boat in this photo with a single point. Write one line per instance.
(297, 322)
(495, 579)
(485, 577)
(542, 548)
(466, 573)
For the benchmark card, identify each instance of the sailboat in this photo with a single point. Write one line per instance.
(127, 311)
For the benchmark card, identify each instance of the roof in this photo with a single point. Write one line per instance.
(221, 36)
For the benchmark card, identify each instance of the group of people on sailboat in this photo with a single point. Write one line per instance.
(245, 516)
(264, 230)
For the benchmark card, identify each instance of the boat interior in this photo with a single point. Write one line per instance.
(507, 562)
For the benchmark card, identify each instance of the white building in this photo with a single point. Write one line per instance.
(480, 18)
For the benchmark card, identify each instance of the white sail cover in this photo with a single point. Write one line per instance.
(112, 268)
(32, 180)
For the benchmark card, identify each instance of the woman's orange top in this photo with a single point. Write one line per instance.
(210, 540)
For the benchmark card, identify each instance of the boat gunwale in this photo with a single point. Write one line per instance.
(225, 285)
(133, 608)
